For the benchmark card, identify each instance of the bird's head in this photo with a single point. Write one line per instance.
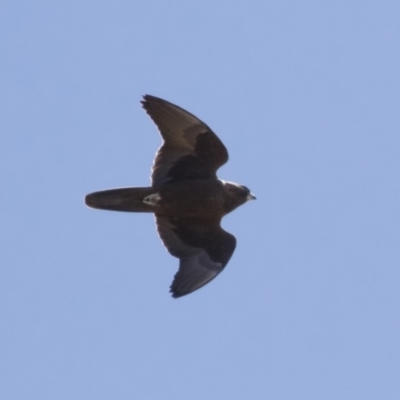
(235, 195)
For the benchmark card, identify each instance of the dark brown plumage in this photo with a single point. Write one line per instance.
(186, 196)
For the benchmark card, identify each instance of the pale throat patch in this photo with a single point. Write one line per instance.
(152, 199)
(229, 183)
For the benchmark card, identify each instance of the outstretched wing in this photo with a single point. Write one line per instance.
(202, 247)
(191, 150)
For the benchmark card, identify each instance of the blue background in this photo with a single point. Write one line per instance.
(306, 97)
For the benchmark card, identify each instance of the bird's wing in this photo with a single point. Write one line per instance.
(191, 150)
(202, 246)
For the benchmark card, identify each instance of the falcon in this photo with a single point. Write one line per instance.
(185, 196)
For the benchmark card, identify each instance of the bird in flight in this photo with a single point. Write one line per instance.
(186, 197)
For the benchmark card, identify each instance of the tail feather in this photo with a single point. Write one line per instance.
(124, 199)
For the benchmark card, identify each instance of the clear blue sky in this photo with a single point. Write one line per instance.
(306, 97)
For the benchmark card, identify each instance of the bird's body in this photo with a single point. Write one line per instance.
(196, 199)
(202, 198)
(186, 196)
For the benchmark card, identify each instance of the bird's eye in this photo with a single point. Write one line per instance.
(246, 189)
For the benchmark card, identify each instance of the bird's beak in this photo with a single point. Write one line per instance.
(250, 196)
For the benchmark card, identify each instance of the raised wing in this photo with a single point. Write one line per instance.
(202, 247)
(191, 150)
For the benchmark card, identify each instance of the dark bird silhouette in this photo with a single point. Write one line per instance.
(186, 197)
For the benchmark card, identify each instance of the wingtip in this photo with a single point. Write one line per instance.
(175, 294)
(179, 291)
(148, 100)
(144, 100)
(148, 97)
